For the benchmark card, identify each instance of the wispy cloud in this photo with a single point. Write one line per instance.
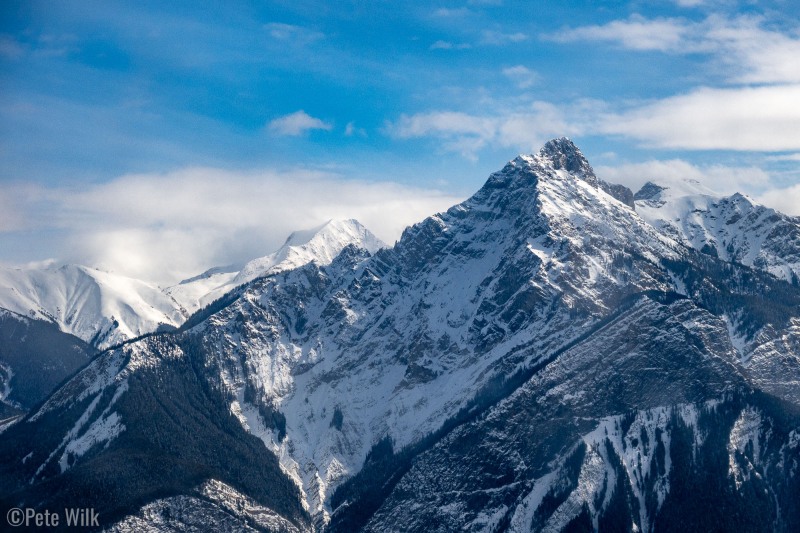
(487, 38)
(741, 47)
(351, 129)
(751, 119)
(458, 12)
(442, 122)
(297, 123)
(522, 76)
(23, 206)
(635, 33)
(447, 45)
(785, 157)
(10, 48)
(165, 227)
(290, 32)
(522, 129)
(499, 38)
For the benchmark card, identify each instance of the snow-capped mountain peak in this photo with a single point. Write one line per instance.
(537, 356)
(733, 228)
(562, 154)
(320, 244)
(649, 191)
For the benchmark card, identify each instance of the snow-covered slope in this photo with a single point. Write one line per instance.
(99, 307)
(198, 291)
(104, 309)
(733, 228)
(320, 244)
(538, 357)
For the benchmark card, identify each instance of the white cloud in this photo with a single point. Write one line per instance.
(166, 227)
(40, 264)
(753, 54)
(636, 33)
(297, 123)
(523, 129)
(723, 179)
(785, 200)
(12, 217)
(741, 49)
(760, 112)
(720, 178)
(757, 119)
(521, 75)
(24, 206)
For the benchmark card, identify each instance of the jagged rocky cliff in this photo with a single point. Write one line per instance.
(537, 358)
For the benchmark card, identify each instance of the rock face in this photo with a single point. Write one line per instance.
(620, 192)
(537, 358)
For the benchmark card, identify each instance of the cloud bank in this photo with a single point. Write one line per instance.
(748, 119)
(166, 227)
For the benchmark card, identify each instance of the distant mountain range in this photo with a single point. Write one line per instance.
(104, 308)
(555, 353)
(733, 228)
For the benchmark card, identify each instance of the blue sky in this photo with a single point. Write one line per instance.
(157, 138)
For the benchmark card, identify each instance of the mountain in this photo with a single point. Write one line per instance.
(320, 244)
(104, 309)
(43, 310)
(35, 357)
(733, 228)
(536, 358)
(98, 307)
